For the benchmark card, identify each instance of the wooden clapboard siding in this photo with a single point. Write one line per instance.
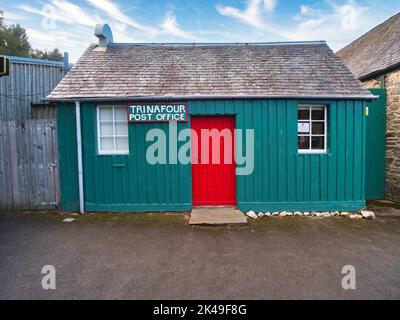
(282, 179)
(44, 111)
(29, 82)
(28, 165)
(66, 132)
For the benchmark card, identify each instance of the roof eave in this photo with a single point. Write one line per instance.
(212, 97)
(380, 72)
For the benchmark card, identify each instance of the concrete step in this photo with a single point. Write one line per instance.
(217, 216)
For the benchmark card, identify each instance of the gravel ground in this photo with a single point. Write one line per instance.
(158, 256)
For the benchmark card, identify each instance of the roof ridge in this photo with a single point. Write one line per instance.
(188, 44)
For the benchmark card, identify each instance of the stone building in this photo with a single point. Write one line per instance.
(375, 60)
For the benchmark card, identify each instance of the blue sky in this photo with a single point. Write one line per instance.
(69, 24)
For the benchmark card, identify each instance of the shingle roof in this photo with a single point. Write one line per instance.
(376, 51)
(230, 70)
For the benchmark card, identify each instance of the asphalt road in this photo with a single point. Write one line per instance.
(161, 257)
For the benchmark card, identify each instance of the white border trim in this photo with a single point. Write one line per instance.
(310, 107)
(107, 152)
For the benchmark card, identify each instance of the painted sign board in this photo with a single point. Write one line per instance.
(303, 127)
(157, 112)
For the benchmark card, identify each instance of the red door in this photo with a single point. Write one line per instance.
(213, 172)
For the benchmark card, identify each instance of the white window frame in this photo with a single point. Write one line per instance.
(312, 107)
(114, 136)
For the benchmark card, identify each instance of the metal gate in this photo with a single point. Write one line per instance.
(376, 147)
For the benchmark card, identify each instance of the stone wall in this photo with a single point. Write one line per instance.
(392, 84)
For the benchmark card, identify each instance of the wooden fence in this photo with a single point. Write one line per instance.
(29, 177)
(30, 81)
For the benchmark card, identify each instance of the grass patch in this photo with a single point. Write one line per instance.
(151, 219)
(180, 220)
(143, 219)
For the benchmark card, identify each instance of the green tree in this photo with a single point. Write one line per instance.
(54, 55)
(2, 31)
(13, 39)
(14, 42)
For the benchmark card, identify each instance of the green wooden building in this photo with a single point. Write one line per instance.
(304, 109)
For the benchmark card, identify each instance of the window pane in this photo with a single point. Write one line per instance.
(121, 128)
(112, 123)
(318, 143)
(121, 143)
(106, 129)
(318, 128)
(120, 114)
(304, 143)
(107, 144)
(106, 114)
(304, 115)
(318, 114)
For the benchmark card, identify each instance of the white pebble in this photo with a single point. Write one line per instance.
(251, 214)
(326, 214)
(368, 215)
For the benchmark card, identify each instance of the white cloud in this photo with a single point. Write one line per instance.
(168, 27)
(339, 24)
(81, 21)
(73, 42)
(306, 10)
(269, 5)
(51, 31)
(75, 13)
(251, 15)
(171, 27)
(114, 12)
(11, 17)
(45, 13)
(65, 11)
(50, 38)
(351, 13)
